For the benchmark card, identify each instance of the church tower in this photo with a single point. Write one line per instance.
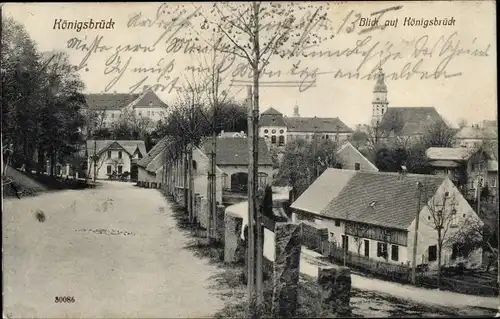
(296, 111)
(379, 103)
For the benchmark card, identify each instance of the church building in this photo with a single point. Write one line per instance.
(403, 121)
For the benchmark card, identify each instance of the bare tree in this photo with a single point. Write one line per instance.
(94, 120)
(439, 135)
(444, 220)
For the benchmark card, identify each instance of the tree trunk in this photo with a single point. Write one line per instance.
(94, 160)
(185, 182)
(41, 160)
(259, 287)
(213, 180)
(440, 246)
(191, 184)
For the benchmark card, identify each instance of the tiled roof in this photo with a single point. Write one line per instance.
(415, 120)
(271, 111)
(316, 124)
(383, 199)
(234, 151)
(157, 149)
(449, 153)
(148, 99)
(324, 189)
(109, 101)
(129, 145)
(271, 117)
(475, 133)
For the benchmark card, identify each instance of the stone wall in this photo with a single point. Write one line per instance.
(335, 285)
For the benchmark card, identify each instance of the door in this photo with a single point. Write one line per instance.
(134, 172)
(432, 253)
(367, 248)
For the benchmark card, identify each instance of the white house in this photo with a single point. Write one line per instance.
(114, 156)
(352, 159)
(231, 167)
(150, 167)
(374, 213)
(149, 105)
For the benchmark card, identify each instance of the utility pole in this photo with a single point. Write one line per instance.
(251, 210)
(415, 237)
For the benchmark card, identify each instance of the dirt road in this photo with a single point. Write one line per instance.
(116, 250)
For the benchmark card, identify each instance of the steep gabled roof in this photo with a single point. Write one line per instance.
(234, 151)
(347, 145)
(271, 111)
(414, 120)
(129, 145)
(148, 99)
(324, 189)
(153, 153)
(271, 117)
(380, 198)
(109, 101)
(316, 124)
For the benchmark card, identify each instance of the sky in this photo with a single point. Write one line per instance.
(449, 67)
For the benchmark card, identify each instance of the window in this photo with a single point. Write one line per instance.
(140, 113)
(273, 139)
(281, 140)
(432, 253)
(266, 131)
(493, 181)
(337, 223)
(120, 168)
(262, 179)
(108, 169)
(119, 154)
(282, 131)
(224, 180)
(195, 165)
(332, 237)
(382, 111)
(395, 252)
(149, 113)
(382, 250)
(454, 218)
(273, 131)
(367, 248)
(109, 154)
(357, 166)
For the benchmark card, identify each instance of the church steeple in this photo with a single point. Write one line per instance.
(379, 103)
(296, 110)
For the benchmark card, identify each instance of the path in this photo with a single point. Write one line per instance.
(115, 249)
(309, 266)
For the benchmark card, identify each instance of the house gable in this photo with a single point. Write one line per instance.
(114, 146)
(350, 156)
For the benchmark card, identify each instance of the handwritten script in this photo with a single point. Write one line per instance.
(347, 51)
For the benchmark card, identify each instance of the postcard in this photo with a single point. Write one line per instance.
(249, 159)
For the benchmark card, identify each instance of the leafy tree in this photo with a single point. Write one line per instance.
(304, 161)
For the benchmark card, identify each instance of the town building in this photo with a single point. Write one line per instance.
(110, 106)
(114, 156)
(373, 214)
(476, 135)
(406, 122)
(465, 165)
(352, 159)
(232, 160)
(151, 167)
(278, 129)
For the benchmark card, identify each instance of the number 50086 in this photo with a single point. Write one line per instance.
(65, 299)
